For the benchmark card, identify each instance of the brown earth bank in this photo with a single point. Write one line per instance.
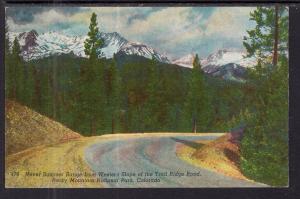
(25, 128)
(221, 155)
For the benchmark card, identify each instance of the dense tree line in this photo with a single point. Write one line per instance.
(139, 96)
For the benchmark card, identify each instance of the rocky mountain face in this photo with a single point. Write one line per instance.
(28, 40)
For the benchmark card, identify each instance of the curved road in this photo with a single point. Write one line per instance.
(156, 156)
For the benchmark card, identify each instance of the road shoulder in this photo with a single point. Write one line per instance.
(219, 155)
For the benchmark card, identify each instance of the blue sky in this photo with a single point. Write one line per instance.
(174, 31)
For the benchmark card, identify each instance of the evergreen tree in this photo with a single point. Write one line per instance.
(29, 85)
(16, 72)
(93, 43)
(112, 89)
(135, 96)
(156, 105)
(91, 84)
(152, 90)
(197, 99)
(46, 94)
(268, 37)
(37, 90)
(53, 83)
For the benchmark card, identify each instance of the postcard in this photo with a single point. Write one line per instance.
(146, 97)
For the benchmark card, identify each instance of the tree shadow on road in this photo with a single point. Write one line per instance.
(189, 143)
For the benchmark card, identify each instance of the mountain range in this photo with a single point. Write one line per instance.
(228, 64)
(36, 46)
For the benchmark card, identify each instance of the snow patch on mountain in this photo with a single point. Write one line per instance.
(185, 61)
(133, 48)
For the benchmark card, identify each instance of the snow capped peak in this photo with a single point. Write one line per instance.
(227, 56)
(227, 64)
(113, 42)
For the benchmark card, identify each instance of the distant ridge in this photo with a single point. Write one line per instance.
(228, 64)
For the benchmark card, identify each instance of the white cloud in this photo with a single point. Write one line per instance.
(228, 22)
(167, 24)
(167, 29)
(49, 17)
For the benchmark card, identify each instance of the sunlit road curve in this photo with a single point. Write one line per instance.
(154, 155)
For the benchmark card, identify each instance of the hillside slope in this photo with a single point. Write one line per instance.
(25, 128)
(221, 155)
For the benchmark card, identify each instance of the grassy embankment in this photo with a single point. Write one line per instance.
(221, 155)
(36, 143)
